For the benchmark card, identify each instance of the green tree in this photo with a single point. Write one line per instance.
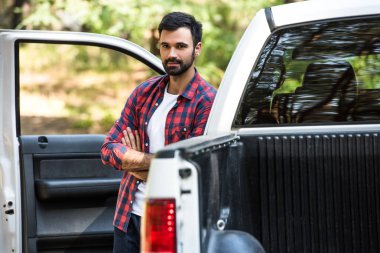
(223, 21)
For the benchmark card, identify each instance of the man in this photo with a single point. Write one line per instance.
(163, 110)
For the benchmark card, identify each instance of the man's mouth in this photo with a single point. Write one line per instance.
(172, 64)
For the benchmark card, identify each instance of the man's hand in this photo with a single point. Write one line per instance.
(131, 140)
(134, 160)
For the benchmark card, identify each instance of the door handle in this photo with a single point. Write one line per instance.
(42, 141)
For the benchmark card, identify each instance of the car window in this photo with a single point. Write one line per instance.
(316, 74)
(74, 89)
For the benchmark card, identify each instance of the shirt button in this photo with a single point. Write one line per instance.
(131, 202)
(156, 104)
(146, 123)
(138, 182)
(146, 144)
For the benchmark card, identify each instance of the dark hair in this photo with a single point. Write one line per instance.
(174, 20)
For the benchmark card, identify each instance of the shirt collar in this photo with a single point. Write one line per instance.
(192, 86)
(163, 82)
(190, 89)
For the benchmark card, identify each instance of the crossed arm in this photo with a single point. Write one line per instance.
(134, 160)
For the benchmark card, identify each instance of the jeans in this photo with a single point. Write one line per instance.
(128, 242)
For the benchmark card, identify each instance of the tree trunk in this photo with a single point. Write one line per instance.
(5, 13)
(153, 42)
(17, 16)
(9, 18)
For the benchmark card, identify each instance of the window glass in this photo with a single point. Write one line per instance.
(314, 74)
(74, 89)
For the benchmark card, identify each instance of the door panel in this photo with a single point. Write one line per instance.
(70, 195)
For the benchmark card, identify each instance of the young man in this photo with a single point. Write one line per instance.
(162, 110)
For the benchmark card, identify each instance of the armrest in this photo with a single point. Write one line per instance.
(76, 187)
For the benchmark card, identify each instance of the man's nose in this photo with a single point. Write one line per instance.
(172, 52)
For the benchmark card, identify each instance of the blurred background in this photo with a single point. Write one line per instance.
(224, 22)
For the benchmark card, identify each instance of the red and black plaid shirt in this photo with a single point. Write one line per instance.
(185, 120)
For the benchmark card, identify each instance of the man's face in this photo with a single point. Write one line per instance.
(177, 50)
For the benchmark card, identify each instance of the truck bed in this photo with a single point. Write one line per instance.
(294, 193)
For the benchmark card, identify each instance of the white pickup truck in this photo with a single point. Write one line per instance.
(289, 161)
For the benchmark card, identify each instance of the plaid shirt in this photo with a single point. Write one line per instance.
(185, 120)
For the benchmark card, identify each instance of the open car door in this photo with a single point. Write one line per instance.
(56, 194)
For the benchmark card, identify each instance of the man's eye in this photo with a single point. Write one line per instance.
(180, 46)
(164, 46)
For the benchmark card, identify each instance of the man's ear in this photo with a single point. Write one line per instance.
(198, 49)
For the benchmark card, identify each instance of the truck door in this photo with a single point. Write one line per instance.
(69, 88)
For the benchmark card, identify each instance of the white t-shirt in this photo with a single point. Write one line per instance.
(156, 133)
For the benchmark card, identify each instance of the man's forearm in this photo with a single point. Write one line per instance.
(112, 154)
(136, 161)
(142, 175)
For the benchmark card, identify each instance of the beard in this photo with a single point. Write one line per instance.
(178, 70)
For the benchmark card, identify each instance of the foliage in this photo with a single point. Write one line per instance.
(223, 21)
(60, 91)
(81, 73)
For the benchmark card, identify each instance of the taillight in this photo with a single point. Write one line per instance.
(159, 226)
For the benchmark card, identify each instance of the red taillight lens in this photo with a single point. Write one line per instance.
(159, 226)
